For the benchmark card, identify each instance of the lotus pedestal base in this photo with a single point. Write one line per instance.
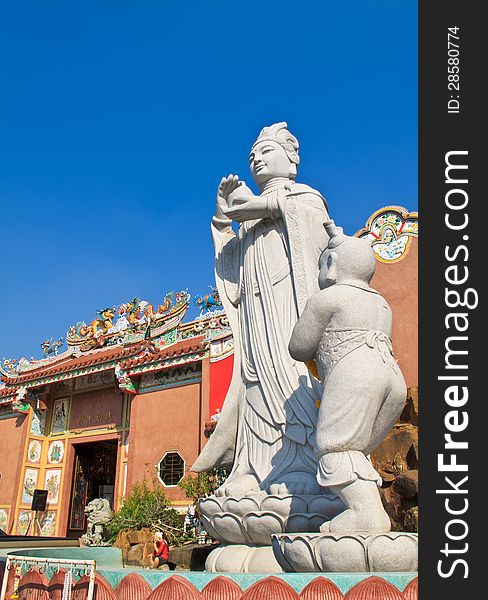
(355, 552)
(241, 558)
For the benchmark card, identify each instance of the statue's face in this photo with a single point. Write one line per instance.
(268, 160)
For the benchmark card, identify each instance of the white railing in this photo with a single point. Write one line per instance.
(23, 564)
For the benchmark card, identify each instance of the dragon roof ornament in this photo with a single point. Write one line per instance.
(130, 322)
(209, 304)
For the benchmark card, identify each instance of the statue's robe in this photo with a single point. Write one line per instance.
(265, 275)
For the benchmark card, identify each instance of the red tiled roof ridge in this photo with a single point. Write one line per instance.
(56, 361)
(76, 362)
(8, 391)
(45, 365)
(177, 349)
(109, 354)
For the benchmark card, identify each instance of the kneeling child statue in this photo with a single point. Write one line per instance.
(346, 328)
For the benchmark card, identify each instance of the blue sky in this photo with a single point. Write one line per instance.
(118, 119)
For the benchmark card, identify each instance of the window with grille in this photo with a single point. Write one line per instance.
(171, 468)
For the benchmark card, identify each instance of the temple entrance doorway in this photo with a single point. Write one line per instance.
(93, 477)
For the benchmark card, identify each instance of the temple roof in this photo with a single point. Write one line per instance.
(140, 340)
(126, 357)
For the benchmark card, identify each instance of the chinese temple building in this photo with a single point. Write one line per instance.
(129, 399)
(136, 392)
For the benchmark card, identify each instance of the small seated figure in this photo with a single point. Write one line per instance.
(160, 553)
(346, 328)
(202, 537)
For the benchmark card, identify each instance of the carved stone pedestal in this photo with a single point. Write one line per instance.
(240, 558)
(252, 519)
(245, 526)
(380, 552)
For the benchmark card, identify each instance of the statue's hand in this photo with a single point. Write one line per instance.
(237, 202)
(226, 187)
(243, 205)
(240, 195)
(255, 208)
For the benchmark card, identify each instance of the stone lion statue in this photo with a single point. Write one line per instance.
(99, 514)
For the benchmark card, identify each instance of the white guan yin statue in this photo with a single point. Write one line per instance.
(265, 274)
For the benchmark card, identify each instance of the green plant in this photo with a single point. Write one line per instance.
(147, 507)
(203, 484)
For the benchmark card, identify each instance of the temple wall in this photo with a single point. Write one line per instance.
(163, 421)
(398, 283)
(396, 459)
(13, 432)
